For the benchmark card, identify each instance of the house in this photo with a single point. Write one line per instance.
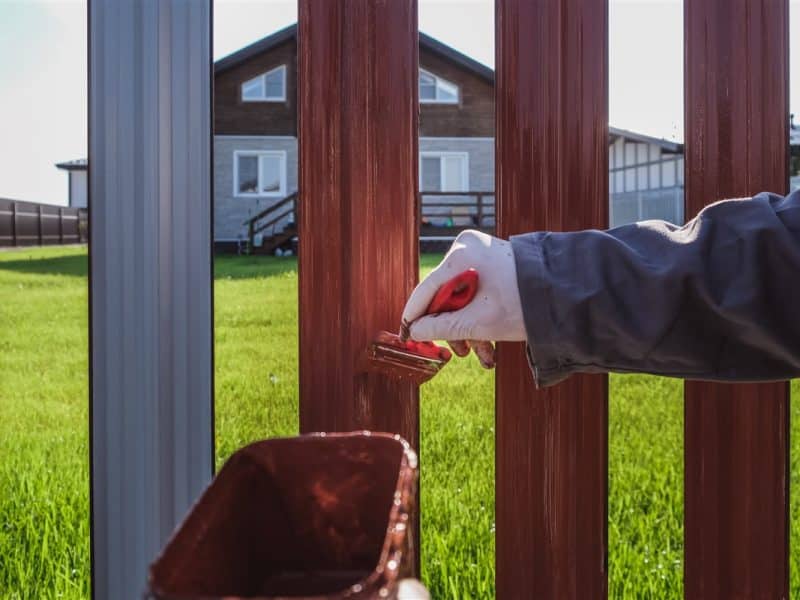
(78, 183)
(255, 145)
(255, 133)
(255, 149)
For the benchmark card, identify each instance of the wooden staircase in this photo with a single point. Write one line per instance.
(268, 224)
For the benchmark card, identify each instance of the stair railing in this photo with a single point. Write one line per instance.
(257, 224)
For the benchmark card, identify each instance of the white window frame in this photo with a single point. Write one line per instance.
(281, 154)
(438, 100)
(441, 155)
(263, 79)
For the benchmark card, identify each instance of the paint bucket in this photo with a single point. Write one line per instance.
(315, 516)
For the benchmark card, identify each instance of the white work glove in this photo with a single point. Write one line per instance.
(412, 589)
(495, 314)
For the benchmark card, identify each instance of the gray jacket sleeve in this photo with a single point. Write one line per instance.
(716, 299)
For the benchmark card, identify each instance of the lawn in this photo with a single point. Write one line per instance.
(44, 530)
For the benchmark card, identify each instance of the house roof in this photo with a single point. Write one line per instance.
(80, 164)
(287, 33)
(425, 41)
(434, 45)
(614, 133)
(267, 43)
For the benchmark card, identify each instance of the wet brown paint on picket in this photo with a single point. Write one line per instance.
(358, 257)
(552, 173)
(358, 218)
(736, 446)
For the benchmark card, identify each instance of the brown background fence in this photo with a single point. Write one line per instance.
(32, 224)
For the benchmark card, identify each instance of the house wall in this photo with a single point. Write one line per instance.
(231, 211)
(78, 189)
(234, 117)
(480, 152)
(472, 117)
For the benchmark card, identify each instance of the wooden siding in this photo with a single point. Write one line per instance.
(234, 117)
(472, 117)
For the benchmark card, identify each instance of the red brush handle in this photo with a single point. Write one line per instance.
(455, 294)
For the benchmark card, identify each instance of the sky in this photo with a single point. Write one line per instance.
(43, 68)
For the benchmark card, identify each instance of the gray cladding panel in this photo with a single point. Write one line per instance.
(230, 211)
(481, 157)
(149, 146)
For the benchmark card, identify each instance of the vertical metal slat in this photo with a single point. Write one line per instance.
(736, 436)
(552, 174)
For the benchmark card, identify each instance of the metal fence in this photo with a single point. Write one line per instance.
(33, 224)
(358, 144)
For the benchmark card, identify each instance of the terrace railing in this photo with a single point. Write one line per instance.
(443, 215)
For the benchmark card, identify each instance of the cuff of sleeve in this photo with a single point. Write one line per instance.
(545, 355)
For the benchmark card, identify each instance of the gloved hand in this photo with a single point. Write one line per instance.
(412, 589)
(495, 314)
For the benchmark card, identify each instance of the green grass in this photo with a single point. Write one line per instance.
(44, 449)
(44, 532)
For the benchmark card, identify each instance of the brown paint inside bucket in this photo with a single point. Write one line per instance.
(301, 517)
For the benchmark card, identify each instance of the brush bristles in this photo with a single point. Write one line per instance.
(400, 364)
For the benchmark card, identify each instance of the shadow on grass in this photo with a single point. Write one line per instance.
(225, 266)
(71, 265)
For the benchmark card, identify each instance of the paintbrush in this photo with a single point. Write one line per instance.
(399, 357)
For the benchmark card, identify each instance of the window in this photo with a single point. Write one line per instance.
(434, 89)
(267, 87)
(444, 171)
(261, 173)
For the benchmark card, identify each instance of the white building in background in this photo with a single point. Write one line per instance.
(645, 178)
(78, 172)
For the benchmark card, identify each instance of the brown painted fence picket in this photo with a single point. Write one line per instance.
(736, 436)
(358, 137)
(358, 215)
(358, 223)
(552, 173)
